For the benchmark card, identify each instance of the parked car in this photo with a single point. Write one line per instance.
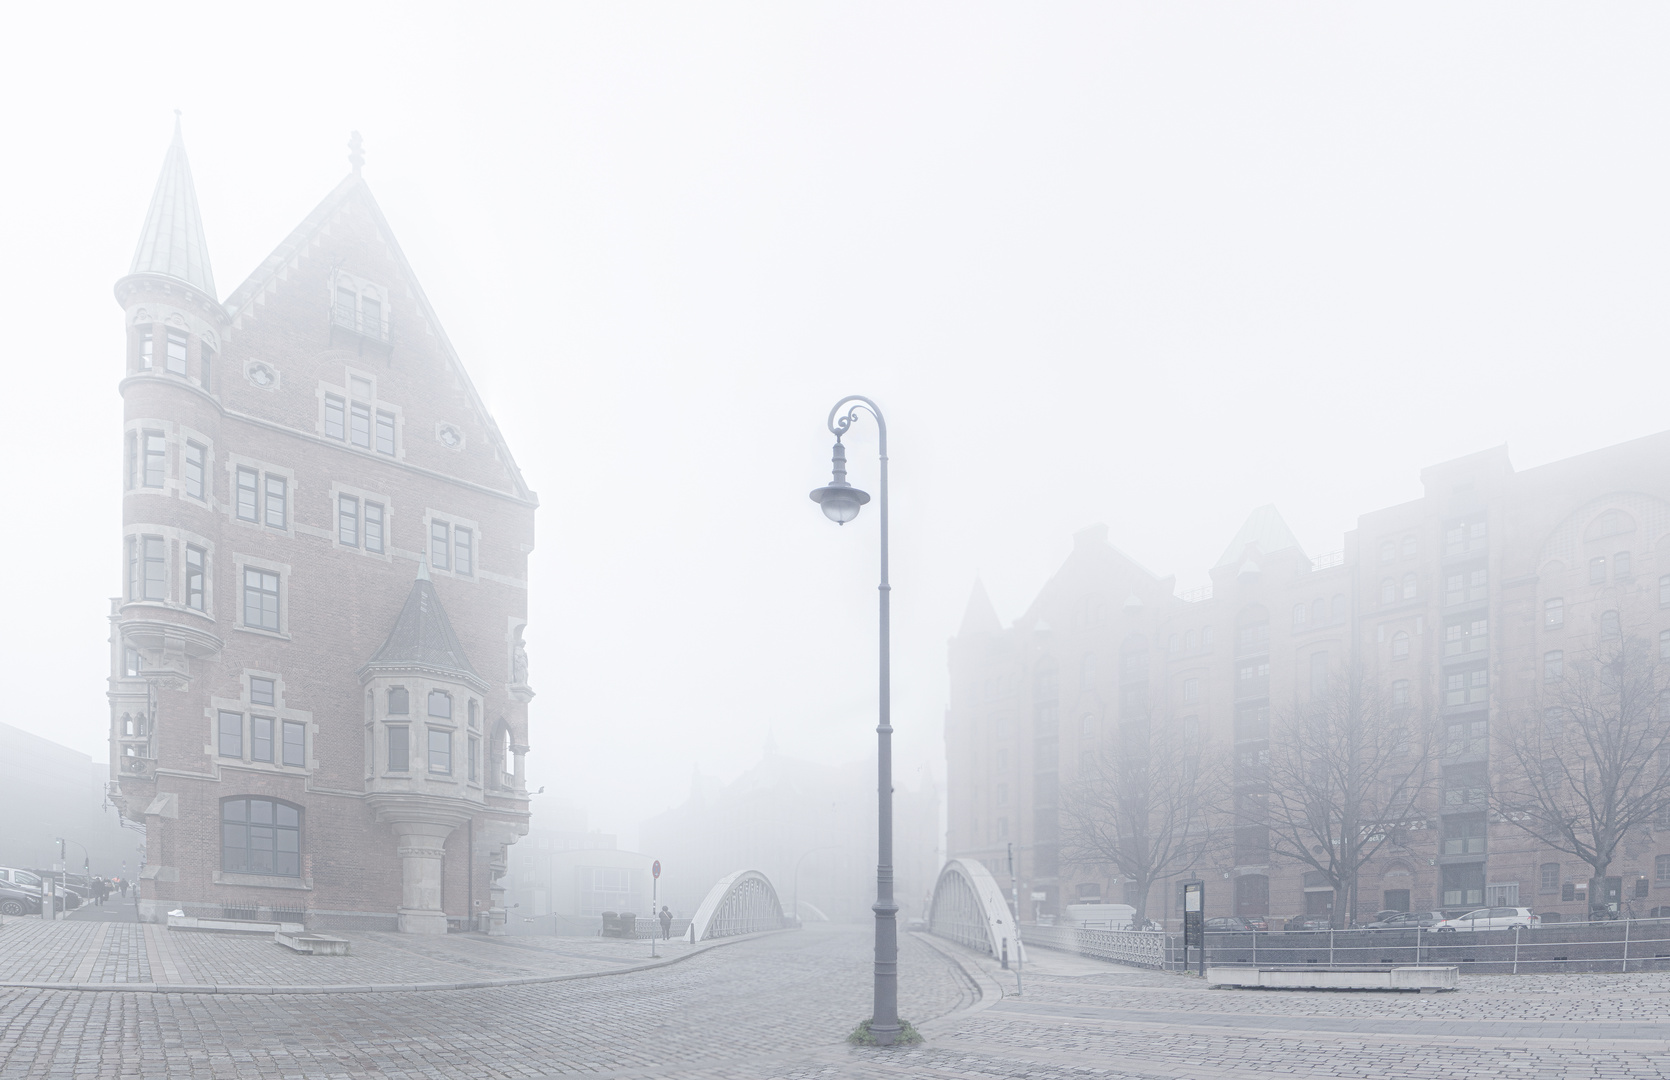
(16, 901)
(29, 882)
(1407, 920)
(1234, 924)
(1308, 922)
(1492, 918)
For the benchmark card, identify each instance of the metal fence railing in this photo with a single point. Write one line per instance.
(1622, 945)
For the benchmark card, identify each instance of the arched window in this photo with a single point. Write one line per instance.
(1409, 586)
(1388, 591)
(1400, 645)
(260, 836)
(1610, 627)
(1400, 692)
(1299, 615)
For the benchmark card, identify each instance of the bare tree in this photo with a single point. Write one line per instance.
(1348, 770)
(1145, 809)
(1590, 765)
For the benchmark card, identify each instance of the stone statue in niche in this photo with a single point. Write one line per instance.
(519, 660)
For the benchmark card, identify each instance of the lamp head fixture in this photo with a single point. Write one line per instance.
(840, 500)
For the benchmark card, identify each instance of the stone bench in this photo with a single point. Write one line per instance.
(1425, 979)
(232, 926)
(312, 944)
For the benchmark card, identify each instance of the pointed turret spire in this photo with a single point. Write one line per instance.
(423, 638)
(172, 241)
(979, 617)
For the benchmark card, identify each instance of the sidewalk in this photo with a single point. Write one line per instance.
(147, 957)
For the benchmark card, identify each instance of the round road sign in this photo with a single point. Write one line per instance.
(656, 869)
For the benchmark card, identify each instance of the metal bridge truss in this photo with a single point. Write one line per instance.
(742, 903)
(968, 907)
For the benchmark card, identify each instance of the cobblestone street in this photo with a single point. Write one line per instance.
(780, 1005)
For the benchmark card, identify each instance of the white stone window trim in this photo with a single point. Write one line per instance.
(240, 561)
(176, 540)
(278, 711)
(173, 464)
(345, 392)
(453, 522)
(182, 435)
(442, 428)
(417, 722)
(339, 489)
(292, 494)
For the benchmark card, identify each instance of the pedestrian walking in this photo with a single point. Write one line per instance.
(666, 924)
(101, 890)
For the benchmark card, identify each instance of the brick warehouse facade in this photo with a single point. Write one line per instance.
(318, 688)
(1467, 597)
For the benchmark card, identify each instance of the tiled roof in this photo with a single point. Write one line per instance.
(423, 638)
(172, 241)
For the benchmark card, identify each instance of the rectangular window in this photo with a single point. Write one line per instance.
(194, 578)
(347, 305)
(1621, 567)
(1597, 570)
(261, 738)
(374, 527)
(438, 545)
(295, 743)
(440, 704)
(475, 759)
(1467, 687)
(260, 599)
(275, 501)
(359, 425)
(131, 663)
(1466, 737)
(194, 470)
(1464, 834)
(1549, 878)
(176, 352)
(398, 758)
(1553, 666)
(334, 417)
(247, 483)
(156, 568)
(440, 752)
(156, 448)
(371, 317)
(463, 551)
(385, 432)
(146, 349)
(1554, 613)
(232, 734)
(1462, 537)
(348, 520)
(1466, 635)
(261, 691)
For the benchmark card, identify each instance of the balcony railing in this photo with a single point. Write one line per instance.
(1332, 558)
(366, 324)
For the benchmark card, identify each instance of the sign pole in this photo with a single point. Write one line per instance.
(1194, 923)
(654, 898)
(1015, 894)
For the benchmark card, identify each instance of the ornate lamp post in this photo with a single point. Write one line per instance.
(841, 502)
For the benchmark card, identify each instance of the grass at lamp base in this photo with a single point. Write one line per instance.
(908, 1035)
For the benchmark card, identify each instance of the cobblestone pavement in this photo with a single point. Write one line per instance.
(778, 1006)
(84, 951)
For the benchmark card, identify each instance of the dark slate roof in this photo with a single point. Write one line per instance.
(423, 639)
(172, 241)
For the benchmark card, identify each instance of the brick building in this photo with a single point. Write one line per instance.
(1467, 598)
(318, 689)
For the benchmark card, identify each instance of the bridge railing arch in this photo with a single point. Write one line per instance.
(968, 907)
(741, 903)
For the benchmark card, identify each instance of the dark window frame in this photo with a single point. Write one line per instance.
(260, 836)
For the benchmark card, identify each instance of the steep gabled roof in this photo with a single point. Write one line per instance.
(1265, 528)
(353, 187)
(423, 639)
(172, 241)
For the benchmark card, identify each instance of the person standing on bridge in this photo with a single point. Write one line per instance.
(666, 924)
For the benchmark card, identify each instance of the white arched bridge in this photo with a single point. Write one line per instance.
(968, 907)
(741, 903)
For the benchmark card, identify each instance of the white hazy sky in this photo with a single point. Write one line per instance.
(1151, 265)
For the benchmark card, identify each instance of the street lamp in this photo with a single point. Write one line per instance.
(841, 502)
